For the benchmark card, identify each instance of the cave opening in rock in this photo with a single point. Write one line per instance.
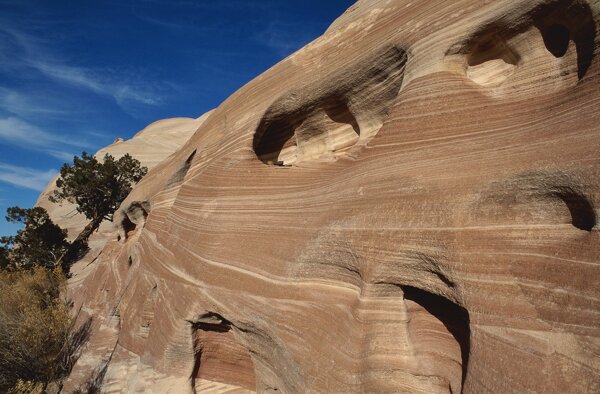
(325, 119)
(491, 60)
(340, 113)
(583, 215)
(218, 354)
(178, 176)
(490, 49)
(454, 317)
(556, 39)
(565, 21)
(277, 144)
(320, 132)
(128, 226)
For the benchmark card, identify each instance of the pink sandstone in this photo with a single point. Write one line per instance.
(407, 204)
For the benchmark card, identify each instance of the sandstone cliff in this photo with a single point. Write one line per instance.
(407, 204)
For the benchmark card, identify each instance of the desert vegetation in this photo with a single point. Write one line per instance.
(39, 243)
(97, 187)
(38, 342)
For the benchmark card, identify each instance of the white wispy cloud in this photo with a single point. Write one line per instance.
(62, 155)
(21, 133)
(26, 105)
(25, 135)
(125, 87)
(24, 177)
(283, 38)
(99, 82)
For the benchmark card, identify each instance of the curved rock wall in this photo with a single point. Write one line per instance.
(407, 204)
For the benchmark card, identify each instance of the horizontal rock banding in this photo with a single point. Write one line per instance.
(434, 228)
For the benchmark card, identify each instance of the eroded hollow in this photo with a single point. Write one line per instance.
(567, 21)
(495, 52)
(539, 197)
(490, 49)
(278, 147)
(583, 215)
(556, 38)
(180, 174)
(491, 61)
(132, 218)
(127, 226)
(451, 338)
(323, 134)
(219, 356)
(326, 119)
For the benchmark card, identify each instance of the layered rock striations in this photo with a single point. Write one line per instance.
(407, 204)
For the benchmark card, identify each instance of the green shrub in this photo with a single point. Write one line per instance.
(97, 188)
(39, 242)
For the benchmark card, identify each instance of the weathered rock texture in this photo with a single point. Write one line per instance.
(407, 204)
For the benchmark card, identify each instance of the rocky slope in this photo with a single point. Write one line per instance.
(407, 204)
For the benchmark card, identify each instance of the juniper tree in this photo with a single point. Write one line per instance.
(39, 243)
(97, 187)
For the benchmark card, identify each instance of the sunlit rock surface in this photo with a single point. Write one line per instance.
(407, 204)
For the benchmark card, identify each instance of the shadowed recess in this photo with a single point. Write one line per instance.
(325, 119)
(491, 47)
(454, 317)
(128, 226)
(540, 197)
(316, 135)
(218, 355)
(492, 54)
(565, 21)
(132, 218)
(178, 176)
(490, 58)
(556, 39)
(278, 143)
(583, 215)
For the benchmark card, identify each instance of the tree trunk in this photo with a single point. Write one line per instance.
(87, 231)
(79, 246)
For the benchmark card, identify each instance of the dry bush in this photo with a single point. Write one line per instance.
(36, 343)
(22, 387)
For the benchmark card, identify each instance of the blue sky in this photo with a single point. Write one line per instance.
(75, 75)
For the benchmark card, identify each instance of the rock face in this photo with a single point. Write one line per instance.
(407, 204)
